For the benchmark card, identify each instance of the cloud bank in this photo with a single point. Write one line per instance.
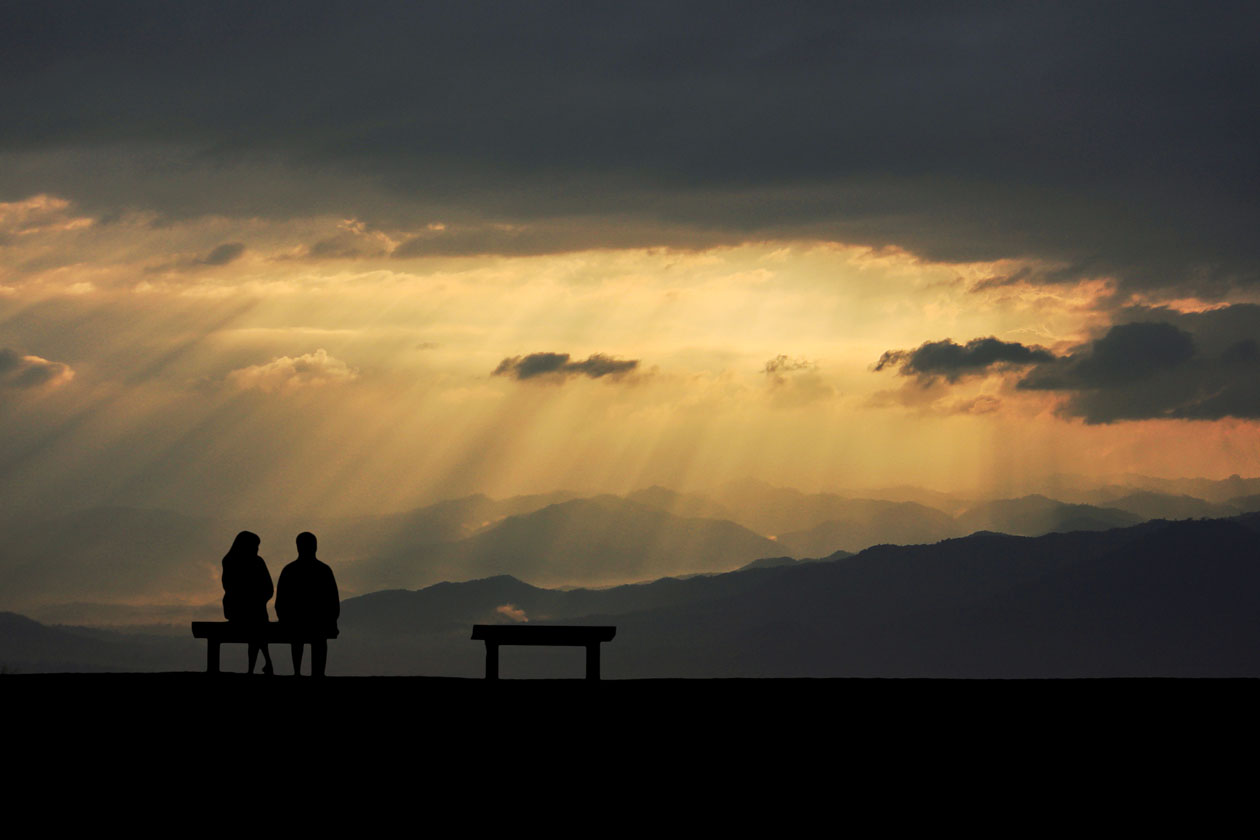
(1074, 132)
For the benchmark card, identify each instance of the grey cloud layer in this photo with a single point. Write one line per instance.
(224, 254)
(557, 366)
(1156, 364)
(21, 372)
(1113, 138)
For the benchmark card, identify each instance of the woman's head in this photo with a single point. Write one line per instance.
(246, 543)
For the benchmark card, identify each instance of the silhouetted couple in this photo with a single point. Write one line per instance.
(307, 602)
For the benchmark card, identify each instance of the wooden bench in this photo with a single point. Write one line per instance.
(542, 634)
(228, 632)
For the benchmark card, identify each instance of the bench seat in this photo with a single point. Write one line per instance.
(236, 632)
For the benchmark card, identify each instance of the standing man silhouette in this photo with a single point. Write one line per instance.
(307, 604)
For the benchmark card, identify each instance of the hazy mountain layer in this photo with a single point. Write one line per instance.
(868, 523)
(1034, 515)
(600, 541)
(1149, 505)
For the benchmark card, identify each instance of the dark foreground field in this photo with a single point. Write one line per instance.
(605, 756)
(506, 720)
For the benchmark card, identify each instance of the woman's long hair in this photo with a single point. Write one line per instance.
(245, 545)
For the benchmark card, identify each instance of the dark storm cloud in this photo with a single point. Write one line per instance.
(1127, 353)
(224, 254)
(557, 366)
(1199, 366)
(1156, 363)
(950, 361)
(1111, 138)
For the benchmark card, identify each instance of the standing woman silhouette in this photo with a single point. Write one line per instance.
(247, 588)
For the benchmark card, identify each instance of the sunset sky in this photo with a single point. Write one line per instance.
(363, 257)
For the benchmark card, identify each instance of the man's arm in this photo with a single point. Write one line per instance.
(280, 589)
(335, 607)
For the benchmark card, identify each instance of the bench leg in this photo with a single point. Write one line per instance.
(492, 660)
(592, 661)
(212, 657)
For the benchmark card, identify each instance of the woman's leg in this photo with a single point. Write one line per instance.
(268, 668)
(253, 656)
(297, 658)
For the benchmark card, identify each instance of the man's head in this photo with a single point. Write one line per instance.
(306, 544)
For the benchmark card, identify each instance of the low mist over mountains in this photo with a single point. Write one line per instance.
(1034, 515)
(598, 541)
(864, 522)
(127, 567)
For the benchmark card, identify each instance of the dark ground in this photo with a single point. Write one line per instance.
(761, 716)
(566, 755)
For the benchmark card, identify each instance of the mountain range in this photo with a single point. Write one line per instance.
(1159, 598)
(128, 567)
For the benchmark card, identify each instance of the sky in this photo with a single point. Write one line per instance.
(361, 257)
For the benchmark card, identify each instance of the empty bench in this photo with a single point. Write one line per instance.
(228, 632)
(542, 634)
